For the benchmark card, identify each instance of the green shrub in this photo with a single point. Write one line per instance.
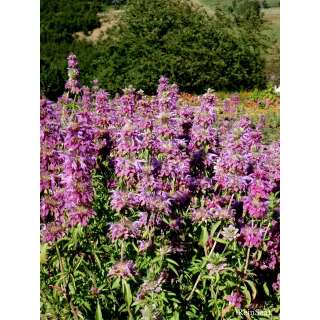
(173, 38)
(60, 19)
(179, 40)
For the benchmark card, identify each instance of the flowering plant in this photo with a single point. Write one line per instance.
(153, 208)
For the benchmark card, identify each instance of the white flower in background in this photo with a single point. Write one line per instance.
(230, 233)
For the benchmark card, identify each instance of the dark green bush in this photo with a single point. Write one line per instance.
(173, 38)
(60, 19)
(183, 42)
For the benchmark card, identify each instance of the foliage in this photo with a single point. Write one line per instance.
(59, 21)
(212, 4)
(152, 208)
(180, 40)
(174, 38)
(265, 97)
(271, 27)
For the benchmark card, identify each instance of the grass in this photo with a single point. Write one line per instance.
(108, 19)
(272, 16)
(211, 4)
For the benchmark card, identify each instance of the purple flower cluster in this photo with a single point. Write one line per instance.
(73, 84)
(124, 229)
(70, 143)
(51, 163)
(252, 236)
(235, 299)
(123, 269)
(175, 165)
(151, 286)
(79, 161)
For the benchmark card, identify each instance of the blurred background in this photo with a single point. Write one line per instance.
(226, 45)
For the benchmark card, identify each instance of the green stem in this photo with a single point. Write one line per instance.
(59, 258)
(67, 296)
(247, 261)
(225, 248)
(199, 276)
(122, 250)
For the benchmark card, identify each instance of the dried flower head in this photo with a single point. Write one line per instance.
(229, 233)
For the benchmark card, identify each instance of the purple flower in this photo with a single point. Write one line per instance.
(144, 245)
(235, 299)
(201, 215)
(163, 85)
(151, 287)
(276, 285)
(52, 232)
(256, 207)
(235, 100)
(252, 236)
(176, 224)
(123, 269)
(72, 61)
(102, 104)
(95, 291)
(73, 84)
(80, 216)
(213, 269)
(123, 230)
(119, 200)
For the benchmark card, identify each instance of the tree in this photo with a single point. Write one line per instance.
(177, 39)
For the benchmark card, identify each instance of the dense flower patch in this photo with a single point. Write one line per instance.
(155, 208)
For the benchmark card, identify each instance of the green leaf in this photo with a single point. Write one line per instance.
(220, 240)
(204, 236)
(97, 260)
(253, 288)
(116, 284)
(214, 228)
(78, 263)
(247, 295)
(43, 253)
(127, 292)
(172, 262)
(98, 312)
(266, 289)
(170, 266)
(175, 316)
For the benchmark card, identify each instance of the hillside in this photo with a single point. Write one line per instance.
(271, 14)
(84, 28)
